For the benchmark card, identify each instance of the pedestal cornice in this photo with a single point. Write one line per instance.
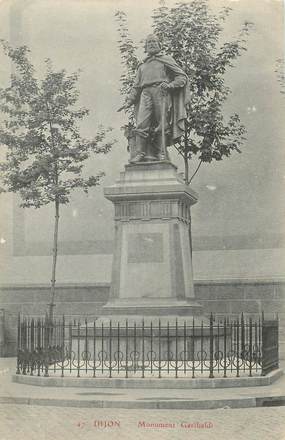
(149, 182)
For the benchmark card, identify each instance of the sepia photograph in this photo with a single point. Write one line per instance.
(142, 219)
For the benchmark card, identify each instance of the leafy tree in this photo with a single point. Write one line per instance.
(40, 137)
(192, 34)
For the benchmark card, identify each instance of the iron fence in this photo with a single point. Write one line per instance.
(148, 349)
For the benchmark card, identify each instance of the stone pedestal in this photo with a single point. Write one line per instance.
(152, 264)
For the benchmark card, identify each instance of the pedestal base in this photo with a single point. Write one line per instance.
(154, 308)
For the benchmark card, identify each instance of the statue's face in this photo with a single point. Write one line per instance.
(152, 45)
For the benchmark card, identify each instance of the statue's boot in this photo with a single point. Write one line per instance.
(161, 154)
(141, 150)
(150, 153)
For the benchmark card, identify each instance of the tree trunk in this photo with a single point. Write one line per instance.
(186, 169)
(190, 235)
(54, 261)
(187, 182)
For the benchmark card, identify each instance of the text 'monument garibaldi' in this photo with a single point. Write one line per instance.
(158, 78)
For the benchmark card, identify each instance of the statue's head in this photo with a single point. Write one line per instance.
(152, 44)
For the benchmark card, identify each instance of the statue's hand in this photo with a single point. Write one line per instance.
(128, 103)
(164, 86)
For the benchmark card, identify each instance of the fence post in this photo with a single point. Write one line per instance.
(127, 347)
(202, 347)
(110, 349)
(39, 345)
(250, 347)
(159, 349)
(118, 346)
(193, 348)
(277, 339)
(135, 347)
(18, 343)
(237, 345)
(86, 346)
(176, 348)
(242, 330)
(143, 348)
(78, 349)
(217, 347)
(168, 348)
(28, 344)
(23, 344)
(94, 348)
(255, 345)
(62, 345)
(70, 340)
(184, 346)
(46, 346)
(211, 375)
(263, 348)
(151, 346)
(2, 333)
(225, 347)
(102, 347)
(259, 342)
(32, 335)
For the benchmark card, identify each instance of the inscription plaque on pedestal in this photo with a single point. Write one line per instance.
(145, 248)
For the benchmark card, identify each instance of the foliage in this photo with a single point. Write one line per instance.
(129, 59)
(45, 152)
(192, 34)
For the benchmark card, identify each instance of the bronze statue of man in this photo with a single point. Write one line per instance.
(160, 94)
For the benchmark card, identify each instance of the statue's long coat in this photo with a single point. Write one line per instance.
(180, 99)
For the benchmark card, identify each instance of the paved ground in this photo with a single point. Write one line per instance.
(29, 422)
(26, 422)
(102, 396)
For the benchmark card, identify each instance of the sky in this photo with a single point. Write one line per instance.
(241, 199)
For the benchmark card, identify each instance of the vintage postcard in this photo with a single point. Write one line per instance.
(142, 246)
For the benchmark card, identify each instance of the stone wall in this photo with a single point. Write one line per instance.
(231, 298)
(228, 298)
(74, 301)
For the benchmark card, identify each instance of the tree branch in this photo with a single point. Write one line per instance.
(196, 171)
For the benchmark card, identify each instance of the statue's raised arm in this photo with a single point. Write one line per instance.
(160, 94)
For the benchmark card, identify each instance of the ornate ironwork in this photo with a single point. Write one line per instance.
(222, 348)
